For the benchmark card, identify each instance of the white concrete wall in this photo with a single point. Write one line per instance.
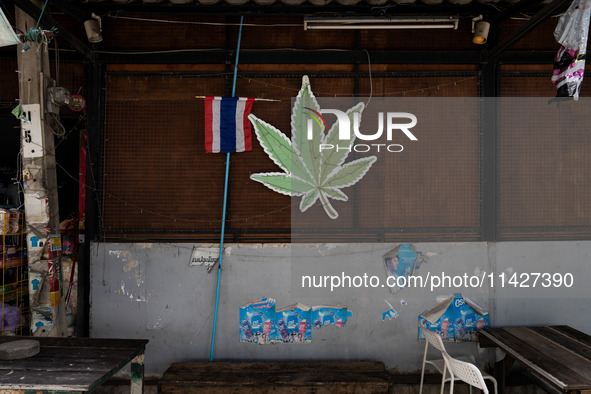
(149, 291)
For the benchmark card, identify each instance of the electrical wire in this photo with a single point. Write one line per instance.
(75, 127)
(205, 23)
(57, 64)
(159, 52)
(41, 15)
(292, 89)
(385, 94)
(217, 49)
(57, 128)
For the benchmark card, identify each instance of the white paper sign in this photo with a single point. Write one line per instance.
(207, 256)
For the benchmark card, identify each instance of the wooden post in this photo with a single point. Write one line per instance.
(137, 375)
(48, 317)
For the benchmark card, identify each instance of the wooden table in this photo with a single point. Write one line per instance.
(73, 364)
(560, 356)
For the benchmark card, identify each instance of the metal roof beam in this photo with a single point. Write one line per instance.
(71, 10)
(512, 11)
(220, 8)
(526, 28)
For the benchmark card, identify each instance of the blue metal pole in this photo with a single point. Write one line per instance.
(237, 56)
(217, 289)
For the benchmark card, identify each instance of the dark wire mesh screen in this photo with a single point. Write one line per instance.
(151, 177)
(424, 187)
(534, 84)
(70, 76)
(158, 180)
(544, 165)
(67, 75)
(436, 185)
(164, 36)
(9, 81)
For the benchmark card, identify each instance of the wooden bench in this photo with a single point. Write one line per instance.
(73, 365)
(363, 377)
(559, 356)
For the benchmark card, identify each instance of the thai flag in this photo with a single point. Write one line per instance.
(227, 128)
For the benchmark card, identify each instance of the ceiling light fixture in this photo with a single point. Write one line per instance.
(311, 23)
(480, 30)
(94, 29)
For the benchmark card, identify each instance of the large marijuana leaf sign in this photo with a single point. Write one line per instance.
(311, 172)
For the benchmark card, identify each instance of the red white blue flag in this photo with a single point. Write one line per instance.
(227, 128)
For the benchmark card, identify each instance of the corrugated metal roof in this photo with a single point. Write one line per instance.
(319, 3)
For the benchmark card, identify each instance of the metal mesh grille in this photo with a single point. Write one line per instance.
(436, 184)
(534, 84)
(151, 176)
(159, 180)
(133, 34)
(70, 76)
(543, 161)
(9, 79)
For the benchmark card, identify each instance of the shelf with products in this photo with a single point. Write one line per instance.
(14, 286)
(14, 291)
(12, 253)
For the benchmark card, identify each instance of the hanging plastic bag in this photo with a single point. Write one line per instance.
(7, 35)
(569, 64)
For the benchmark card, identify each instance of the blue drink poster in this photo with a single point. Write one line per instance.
(400, 262)
(456, 319)
(257, 322)
(324, 315)
(294, 324)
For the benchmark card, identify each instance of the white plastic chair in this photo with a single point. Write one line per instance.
(444, 365)
(468, 373)
(433, 339)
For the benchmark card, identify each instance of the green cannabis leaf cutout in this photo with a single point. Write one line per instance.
(308, 171)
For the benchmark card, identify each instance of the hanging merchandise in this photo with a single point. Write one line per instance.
(569, 64)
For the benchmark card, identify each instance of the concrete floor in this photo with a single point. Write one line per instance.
(119, 386)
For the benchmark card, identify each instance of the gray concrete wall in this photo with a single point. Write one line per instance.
(148, 290)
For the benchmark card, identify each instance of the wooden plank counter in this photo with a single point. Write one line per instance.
(560, 356)
(73, 364)
(363, 377)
